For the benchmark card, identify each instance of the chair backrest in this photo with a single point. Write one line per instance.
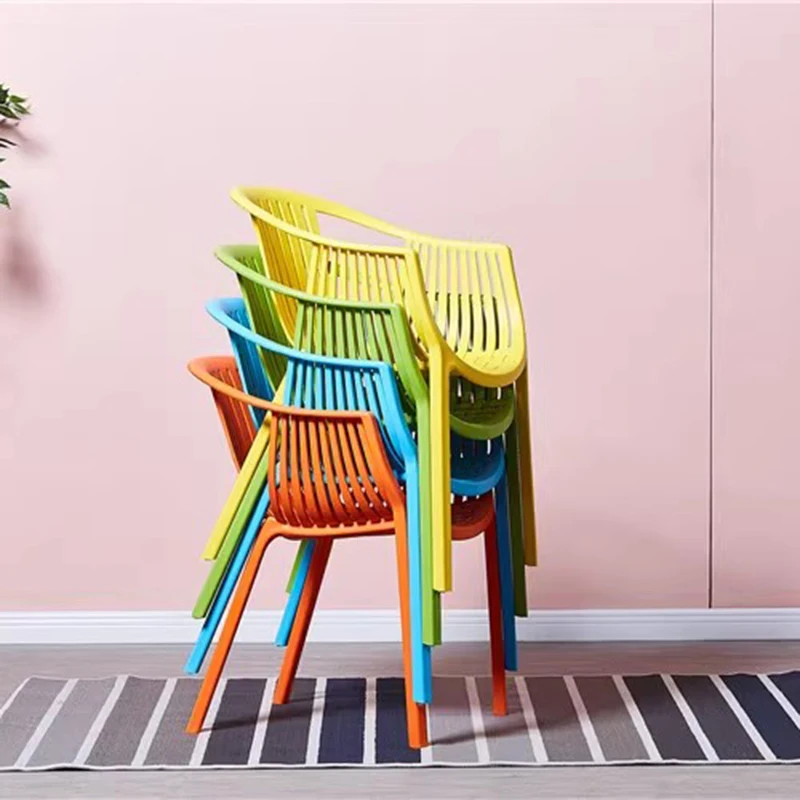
(285, 256)
(237, 422)
(323, 473)
(251, 370)
(326, 326)
(295, 254)
(318, 382)
(471, 286)
(312, 381)
(325, 468)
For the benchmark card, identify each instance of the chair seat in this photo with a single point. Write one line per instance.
(473, 470)
(472, 516)
(479, 413)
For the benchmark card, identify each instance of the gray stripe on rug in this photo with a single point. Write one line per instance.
(451, 723)
(558, 720)
(619, 740)
(23, 714)
(507, 737)
(171, 745)
(119, 738)
(64, 737)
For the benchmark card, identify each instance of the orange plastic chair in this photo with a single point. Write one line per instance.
(329, 477)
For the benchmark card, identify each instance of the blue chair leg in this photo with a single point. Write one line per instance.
(296, 584)
(223, 596)
(506, 574)
(422, 682)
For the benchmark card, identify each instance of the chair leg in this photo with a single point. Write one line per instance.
(420, 652)
(440, 472)
(515, 508)
(506, 573)
(297, 580)
(232, 621)
(305, 610)
(226, 590)
(523, 416)
(431, 604)
(416, 715)
(499, 697)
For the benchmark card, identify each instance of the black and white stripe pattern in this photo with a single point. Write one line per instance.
(137, 723)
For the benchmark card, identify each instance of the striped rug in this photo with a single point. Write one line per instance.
(137, 723)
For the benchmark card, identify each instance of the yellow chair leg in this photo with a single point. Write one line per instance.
(243, 479)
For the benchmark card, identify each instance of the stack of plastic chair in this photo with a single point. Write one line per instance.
(462, 301)
(440, 370)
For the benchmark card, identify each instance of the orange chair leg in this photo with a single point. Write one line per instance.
(416, 715)
(302, 621)
(499, 694)
(232, 621)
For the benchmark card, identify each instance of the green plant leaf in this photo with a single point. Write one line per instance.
(8, 112)
(4, 200)
(4, 184)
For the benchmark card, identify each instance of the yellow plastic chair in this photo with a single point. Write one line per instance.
(462, 301)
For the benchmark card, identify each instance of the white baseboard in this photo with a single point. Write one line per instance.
(177, 627)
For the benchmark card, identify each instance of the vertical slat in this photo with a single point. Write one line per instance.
(351, 473)
(339, 471)
(489, 309)
(393, 282)
(464, 297)
(314, 514)
(475, 290)
(276, 464)
(504, 319)
(292, 475)
(321, 485)
(330, 473)
(438, 289)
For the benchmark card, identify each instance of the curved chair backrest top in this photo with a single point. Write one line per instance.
(471, 287)
(321, 382)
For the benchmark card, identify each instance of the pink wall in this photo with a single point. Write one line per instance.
(578, 134)
(757, 307)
